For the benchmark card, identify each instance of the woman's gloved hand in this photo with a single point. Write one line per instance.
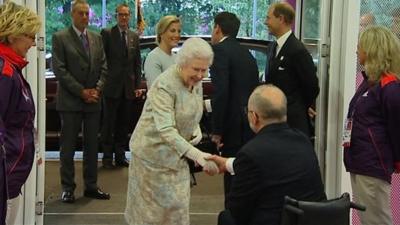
(211, 168)
(199, 157)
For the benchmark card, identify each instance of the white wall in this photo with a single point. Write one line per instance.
(342, 71)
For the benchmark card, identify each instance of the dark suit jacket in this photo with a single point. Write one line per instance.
(124, 71)
(294, 72)
(76, 71)
(234, 75)
(279, 161)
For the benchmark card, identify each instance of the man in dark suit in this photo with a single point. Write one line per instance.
(234, 74)
(121, 46)
(80, 66)
(278, 161)
(291, 67)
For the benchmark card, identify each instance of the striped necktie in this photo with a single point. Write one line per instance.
(85, 43)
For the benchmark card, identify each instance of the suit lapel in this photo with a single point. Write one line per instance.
(116, 36)
(275, 61)
(78, 43)
(91, 47)
(285, 46)
(131, 42)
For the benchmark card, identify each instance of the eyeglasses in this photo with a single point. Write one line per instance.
(246, 110)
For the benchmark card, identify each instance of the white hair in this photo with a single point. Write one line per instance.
(194, 48)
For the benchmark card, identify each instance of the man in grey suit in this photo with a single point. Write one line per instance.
(121, 46)
(80, 66)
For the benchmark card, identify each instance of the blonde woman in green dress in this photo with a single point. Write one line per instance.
(159, 177)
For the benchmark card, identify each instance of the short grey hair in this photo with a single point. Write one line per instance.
(77, 2)
(194, 48)
(269, 102)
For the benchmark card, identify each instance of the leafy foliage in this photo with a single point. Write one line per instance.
(196, 15)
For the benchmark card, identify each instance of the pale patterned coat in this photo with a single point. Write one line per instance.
(159, 181)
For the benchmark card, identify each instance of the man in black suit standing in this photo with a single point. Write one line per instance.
(121, 46)
(278, 161)
(234, 74)
(80, 67)
(291, 67)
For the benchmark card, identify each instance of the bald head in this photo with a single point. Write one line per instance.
(366, 20)
(269, 103)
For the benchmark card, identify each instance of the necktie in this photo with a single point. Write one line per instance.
(271, 56)
(123, 39)
(274, 48)
(85, 43)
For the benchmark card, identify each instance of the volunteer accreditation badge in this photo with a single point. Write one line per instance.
(347, 132)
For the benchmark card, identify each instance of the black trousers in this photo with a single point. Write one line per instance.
(115, 125)
(225, 218)
(71, 124)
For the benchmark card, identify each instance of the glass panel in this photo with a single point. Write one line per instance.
(310, 32)
(385, 13)
(197, 18)
(197, 15)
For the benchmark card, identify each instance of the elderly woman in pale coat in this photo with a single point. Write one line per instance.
(159, 177)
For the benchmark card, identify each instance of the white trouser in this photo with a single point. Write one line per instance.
(374, 194)
(12, 210)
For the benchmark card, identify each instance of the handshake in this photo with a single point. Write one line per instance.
(215, 164)
(212, 164)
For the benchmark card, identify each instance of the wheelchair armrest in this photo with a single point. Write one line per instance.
(291, 201)
(357, 206)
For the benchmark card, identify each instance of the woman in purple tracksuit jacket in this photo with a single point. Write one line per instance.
(3, 187)
(372, 151)
(18, 28)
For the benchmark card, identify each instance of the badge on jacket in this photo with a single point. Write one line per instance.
(348, 125)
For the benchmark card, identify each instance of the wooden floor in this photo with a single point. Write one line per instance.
(206, 200)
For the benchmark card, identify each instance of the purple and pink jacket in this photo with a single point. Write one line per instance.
(17, 111)
(3, 184)
(375, 141)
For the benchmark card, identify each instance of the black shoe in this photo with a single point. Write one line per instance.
(122, 163)
(97, 194)
(68, 197)
(107, 164)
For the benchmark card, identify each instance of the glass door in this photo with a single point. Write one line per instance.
(314, 33)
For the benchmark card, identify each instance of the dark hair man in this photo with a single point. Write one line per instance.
(234, 75)
(121, 46)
